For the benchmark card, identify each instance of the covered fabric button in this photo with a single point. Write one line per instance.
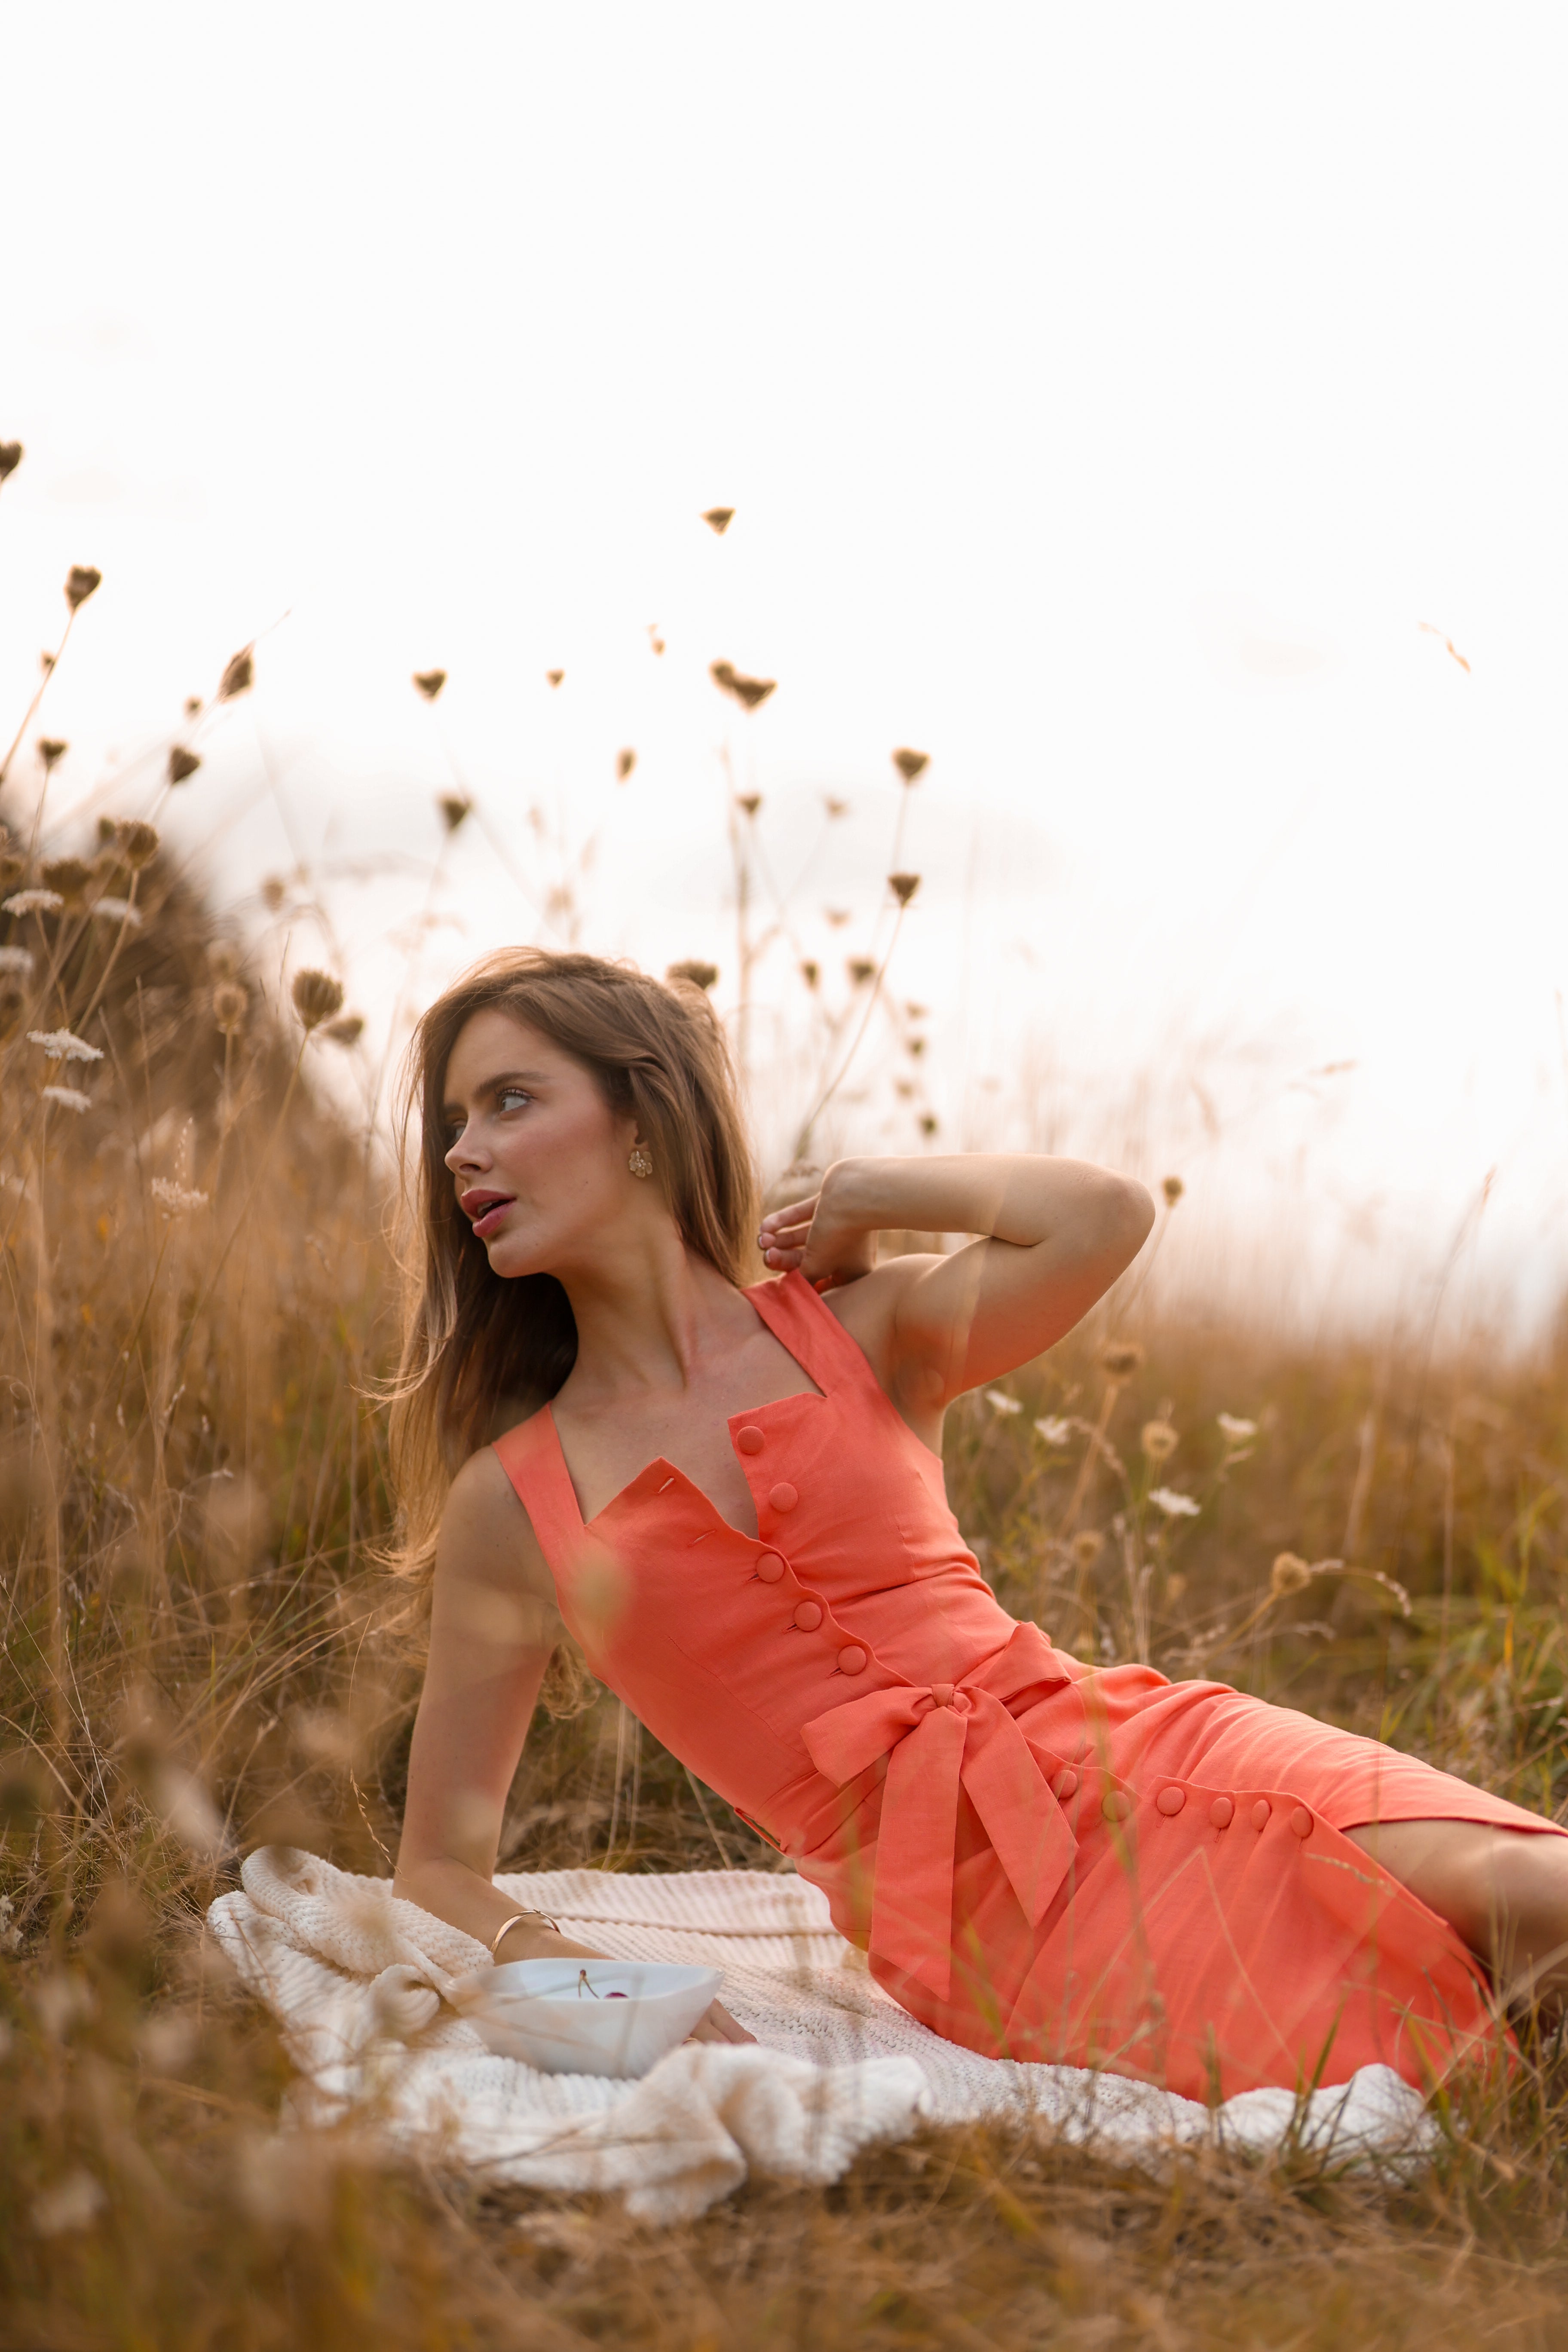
(1222, 1813)
(1301, 1821)
(1065, 1785)
(1260, 1812)
(1171, 1801)
(783, 1497)
(851, 1659)
(770, 1566)
(1115, 1806)
(808, 1616)
(750, 1440)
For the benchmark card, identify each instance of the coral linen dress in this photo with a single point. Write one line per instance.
(1044, 1860)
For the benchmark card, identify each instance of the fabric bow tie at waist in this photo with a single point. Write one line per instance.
(937, 1738)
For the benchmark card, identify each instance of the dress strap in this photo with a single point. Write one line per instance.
(532, 1458)
(801, 1318)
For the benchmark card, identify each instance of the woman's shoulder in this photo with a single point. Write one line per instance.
(485, 1527)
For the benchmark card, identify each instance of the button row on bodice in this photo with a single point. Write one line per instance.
(809, 1614)
(1116, 1805)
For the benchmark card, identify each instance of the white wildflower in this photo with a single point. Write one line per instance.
(16, 959)
(67, 1097)
(1235, 1429)
(174, 1197)
(32, 902)
(1175, 1505)
(1054, 1430)
(119, 910)
(1000, 1402)
(61, 1047)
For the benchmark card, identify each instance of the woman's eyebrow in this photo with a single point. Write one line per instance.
(497, 1086)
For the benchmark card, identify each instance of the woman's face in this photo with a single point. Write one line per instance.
(537, 1156)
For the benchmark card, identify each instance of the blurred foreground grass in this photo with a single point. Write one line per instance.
(197, 1653)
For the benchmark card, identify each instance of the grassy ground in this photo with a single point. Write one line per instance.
(199, 1653)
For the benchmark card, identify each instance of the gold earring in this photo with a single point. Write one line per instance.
(640, 1164)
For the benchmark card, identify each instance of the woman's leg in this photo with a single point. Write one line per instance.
(1505, 1892)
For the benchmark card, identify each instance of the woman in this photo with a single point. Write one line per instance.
(733, 1498)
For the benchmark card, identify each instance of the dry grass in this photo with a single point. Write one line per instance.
(197, 1654)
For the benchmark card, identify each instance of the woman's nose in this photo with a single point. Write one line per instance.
(464, 1154)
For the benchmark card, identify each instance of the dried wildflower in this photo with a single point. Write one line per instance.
(317, 996)
(1288, 1574)
(67, 1097)
(33, 902)
(719, 519)
(50, 749)
(274, 892)
(554, 677)
(119, 910)
(81, 580)
(61, 1047)
(68, 876)
(1237, 1430)
(347, 1030)
(836, 808)
(1053, 1429)
(46, 661)
(929, 1123)
(137, 842)
(916, 1012)
(429, 682)
(240, 675)
(230, 1004)
(861, 970)
(1158, 1441)
(810, 971)
(182, 763)
(1173, 1189)
(193, 704)
(1087, 1548)
(174, 1197)
(654, 640)
(836, 916)
(750, 802)
(748, 692)
(10, 458)
(12, 866)
(18, 961)
(1120, 1358)
(453, 808)
(1000, 1402)
(903, 886)
(1175, 1505)
(911, 765)
(694, 970)
(222, 959)
(624, 763)
(915, 1046)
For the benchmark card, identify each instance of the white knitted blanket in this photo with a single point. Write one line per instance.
(356, 1977)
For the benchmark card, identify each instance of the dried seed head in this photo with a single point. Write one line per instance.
(182, 763)
(51, 749)
(193, 704)
(834, 808)
(137, 842)
(928, 1122)
(223, 959)
(453, 808)
(317, 996)
(811, 972)
(1120, 1358)
(1158, 1441)
(750, 802)
(68, 876)
(10, 458)
(694, 970)
(12, 866)
(719, 519)
(1173, 1189)
(654, 640)
(747, 691)
(429, 682)
(239, 675)
(861, 970)
(836, 916)
(911, 765)
(915, 1046)
(903, 886)
(108, 832)
(230, 1004)
(80, 582)
(274, 891)
(554, 677)
(46, 661)
(1289, 1573)
(1087, 1548)
(624, 763)
(347, 1030)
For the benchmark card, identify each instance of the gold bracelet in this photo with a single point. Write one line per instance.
(516, 1921)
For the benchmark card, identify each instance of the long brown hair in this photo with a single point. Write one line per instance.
(480, 1352)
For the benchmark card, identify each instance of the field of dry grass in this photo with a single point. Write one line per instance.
(198, 1653)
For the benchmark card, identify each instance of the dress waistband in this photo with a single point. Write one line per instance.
(937, 1737)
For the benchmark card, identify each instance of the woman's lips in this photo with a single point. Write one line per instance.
(487, 1209)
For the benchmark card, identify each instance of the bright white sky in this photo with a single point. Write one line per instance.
(1106, 397)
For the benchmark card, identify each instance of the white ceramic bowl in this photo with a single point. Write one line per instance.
(586, 2017)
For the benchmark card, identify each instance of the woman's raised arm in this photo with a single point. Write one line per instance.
(1054, 1235)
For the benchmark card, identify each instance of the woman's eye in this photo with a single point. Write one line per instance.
(510, 1097)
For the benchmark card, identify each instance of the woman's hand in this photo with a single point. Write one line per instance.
(813, 1238)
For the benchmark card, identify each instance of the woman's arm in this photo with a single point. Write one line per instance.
(493, 1624)
(1055, 1234)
